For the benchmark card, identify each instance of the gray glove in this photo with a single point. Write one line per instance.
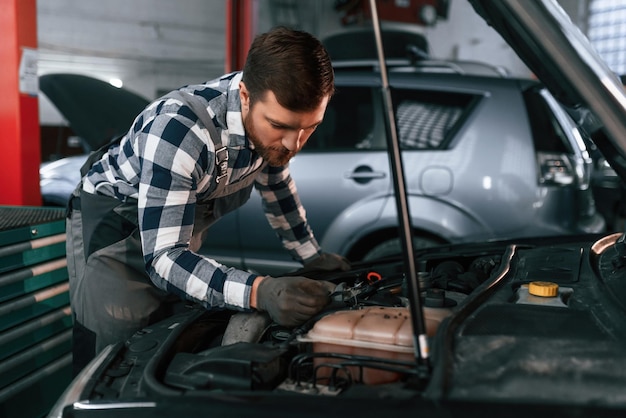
(290, 301)
(327, 262)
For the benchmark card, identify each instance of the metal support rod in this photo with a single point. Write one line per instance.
(406, 230)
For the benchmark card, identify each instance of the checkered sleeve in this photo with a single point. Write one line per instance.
(177, 153)
(286, 214)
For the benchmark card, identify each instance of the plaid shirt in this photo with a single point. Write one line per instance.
(166, 162)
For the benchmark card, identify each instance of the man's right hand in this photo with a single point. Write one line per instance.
(290, 301)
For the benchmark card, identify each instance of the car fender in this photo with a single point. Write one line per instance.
(438, 217)
(352, 223)
(431, 215)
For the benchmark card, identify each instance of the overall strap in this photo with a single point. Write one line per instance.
(221, 152)
(97, 155)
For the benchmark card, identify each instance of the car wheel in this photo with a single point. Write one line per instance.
(393, 246)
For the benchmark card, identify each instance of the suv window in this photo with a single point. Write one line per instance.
(426, 120)
(348, 123)
(547, 132)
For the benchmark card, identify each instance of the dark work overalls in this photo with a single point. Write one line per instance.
(111, 294)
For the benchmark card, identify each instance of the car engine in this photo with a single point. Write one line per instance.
(364, 337)
(502, 320)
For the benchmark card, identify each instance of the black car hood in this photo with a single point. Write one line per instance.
(95, 110)
(559, 54)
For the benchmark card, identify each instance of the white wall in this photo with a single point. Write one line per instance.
(149, 44)
(465, 36)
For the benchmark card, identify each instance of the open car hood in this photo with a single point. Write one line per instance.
(95, 110)
(559, 54)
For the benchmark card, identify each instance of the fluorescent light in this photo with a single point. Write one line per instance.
(116, 82)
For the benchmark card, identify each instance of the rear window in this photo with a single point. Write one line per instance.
(354, 120)
(424, 125)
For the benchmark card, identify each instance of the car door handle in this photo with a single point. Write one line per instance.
(364, 174)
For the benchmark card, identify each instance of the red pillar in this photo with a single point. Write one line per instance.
(19, 111)
(240, 30)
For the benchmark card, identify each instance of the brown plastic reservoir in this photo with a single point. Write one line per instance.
(375, 331)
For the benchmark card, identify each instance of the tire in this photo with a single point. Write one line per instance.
(393, 247)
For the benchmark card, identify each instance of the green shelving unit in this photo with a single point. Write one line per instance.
(35, 315)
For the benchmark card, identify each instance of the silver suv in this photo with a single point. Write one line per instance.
(485, 157)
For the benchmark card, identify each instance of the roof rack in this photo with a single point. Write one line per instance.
(426, 66)
(405, 50)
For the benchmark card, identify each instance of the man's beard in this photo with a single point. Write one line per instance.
(276, 156)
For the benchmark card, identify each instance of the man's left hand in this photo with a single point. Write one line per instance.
(327, 262)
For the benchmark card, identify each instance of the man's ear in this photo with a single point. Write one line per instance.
(244, 96)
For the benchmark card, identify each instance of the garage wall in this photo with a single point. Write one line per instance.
(158, 45)
(149, 44)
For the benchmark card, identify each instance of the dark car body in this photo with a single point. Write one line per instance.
(496, 351)
(518, 328)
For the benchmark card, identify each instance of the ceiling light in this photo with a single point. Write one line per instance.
(116, 82)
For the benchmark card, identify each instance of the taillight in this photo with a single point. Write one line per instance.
(563, 170)
(555, 169)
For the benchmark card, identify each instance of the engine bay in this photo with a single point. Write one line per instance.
(504, 321)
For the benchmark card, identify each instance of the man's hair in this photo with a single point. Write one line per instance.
(293, 64)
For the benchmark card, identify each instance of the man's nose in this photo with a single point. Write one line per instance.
(293, 140)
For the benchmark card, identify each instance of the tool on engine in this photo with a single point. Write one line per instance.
(351, 295)
(369, 286)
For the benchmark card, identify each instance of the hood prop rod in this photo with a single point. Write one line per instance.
(420, 339)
